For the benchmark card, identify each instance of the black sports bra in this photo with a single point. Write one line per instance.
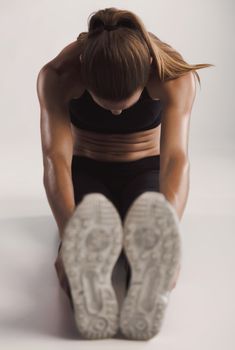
(86, 114)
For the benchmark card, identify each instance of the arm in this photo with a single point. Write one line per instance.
(178, 96)
(57, 146)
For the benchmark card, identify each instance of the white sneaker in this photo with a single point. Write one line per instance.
(152, 245)
(91, 246)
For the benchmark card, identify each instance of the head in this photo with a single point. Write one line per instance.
(115, 65)
(118, 107)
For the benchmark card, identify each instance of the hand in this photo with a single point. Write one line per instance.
(61, 231)
(176, 277)
(60, 271)
(62, 276)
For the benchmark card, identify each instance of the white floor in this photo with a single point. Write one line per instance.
(35, 312)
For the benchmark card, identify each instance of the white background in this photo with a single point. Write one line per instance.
(32, 308)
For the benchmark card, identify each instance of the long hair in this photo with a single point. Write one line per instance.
(115, 63)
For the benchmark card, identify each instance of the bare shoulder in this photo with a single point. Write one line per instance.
(180, 91)
(49, 89)
(178, 97)
(66, 56)
(55, 127)
(59, 79)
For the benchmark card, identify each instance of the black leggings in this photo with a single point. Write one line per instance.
(121, 182)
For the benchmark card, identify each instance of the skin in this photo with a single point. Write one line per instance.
(58, 82)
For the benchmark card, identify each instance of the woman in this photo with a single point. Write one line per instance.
(111, 103)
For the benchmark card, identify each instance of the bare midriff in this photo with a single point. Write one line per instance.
(116, 147)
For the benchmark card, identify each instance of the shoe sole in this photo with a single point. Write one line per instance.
(152, 245)
(91, 245)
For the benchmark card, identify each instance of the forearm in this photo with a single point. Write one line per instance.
(59, 190)
(174, 184)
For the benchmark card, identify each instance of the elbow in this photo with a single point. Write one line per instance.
(180, 160)
(180, 157)
(53, 167)
(179, 163)
(55, 160)
(184, 162)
